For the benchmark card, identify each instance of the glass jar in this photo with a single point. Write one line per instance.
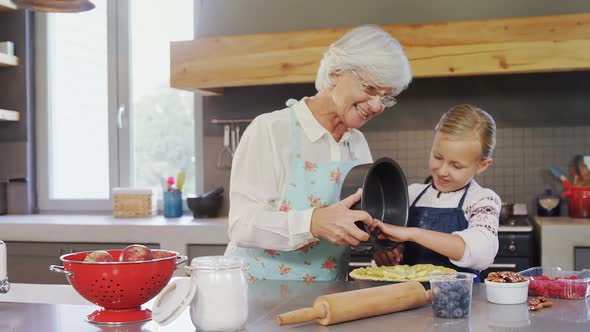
(221, 300)
(172, 204)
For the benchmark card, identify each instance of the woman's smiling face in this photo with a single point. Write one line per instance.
(355, 105)
(455, 161)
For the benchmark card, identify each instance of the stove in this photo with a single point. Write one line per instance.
(517, 249)
(516, 224)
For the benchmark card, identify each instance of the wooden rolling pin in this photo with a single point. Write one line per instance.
(346, 306)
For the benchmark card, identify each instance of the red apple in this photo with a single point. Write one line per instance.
(135, 252)
(160, 254)
(99, 256)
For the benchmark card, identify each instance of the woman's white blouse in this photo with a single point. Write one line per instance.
(260, 171)
(482, 210)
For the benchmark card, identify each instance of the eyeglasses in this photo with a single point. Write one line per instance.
(386, 100)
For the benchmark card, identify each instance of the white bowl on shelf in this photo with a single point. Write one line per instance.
(507, 292)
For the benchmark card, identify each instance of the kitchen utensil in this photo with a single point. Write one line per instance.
(120, 288)
(3, 196)
(206, 205)
(507, 292)
(233, 138)
(217, 292)
(211, 193)
(578, 200)
(237, 133)
(385, 195)
(362, 303)
(559, 174)
(451, 294)
(4, 285)
(225, 157)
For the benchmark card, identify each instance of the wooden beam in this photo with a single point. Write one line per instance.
(6, 115)
(7, 5)
(496, 46)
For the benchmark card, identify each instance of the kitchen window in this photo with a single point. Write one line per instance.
(107, 116)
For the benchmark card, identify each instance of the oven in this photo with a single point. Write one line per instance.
(360, 256)
(517, 246)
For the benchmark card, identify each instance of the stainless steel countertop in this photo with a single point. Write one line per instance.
(269, 298)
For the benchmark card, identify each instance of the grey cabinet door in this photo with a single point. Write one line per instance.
(28, 262)
(198, 250)
(581, 258)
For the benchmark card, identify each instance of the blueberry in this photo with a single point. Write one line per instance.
(443, 313)
(445, 287)
(458, 313)
(441, 300)
(466, 302)
(452, 305)
(454, 295)
(463, 290)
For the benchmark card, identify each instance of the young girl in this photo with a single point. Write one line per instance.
(453, 221)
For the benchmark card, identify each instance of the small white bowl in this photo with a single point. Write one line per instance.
(506, 292)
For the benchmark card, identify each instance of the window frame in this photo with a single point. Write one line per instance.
(120, 114)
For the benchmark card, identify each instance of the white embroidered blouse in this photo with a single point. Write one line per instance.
(482, 210)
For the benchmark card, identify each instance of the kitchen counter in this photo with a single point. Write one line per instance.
(557, 238)
(59, 308)
(170, 233)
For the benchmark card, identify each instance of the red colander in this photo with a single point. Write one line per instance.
(120, 288)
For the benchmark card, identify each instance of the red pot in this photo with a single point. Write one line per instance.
(578, 199)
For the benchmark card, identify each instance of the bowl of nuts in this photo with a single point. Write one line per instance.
(506, 287)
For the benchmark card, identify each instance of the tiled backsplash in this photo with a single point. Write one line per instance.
(519, 172)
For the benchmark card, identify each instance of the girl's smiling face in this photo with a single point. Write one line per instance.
(455, 161)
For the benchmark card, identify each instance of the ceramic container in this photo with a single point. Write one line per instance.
(507, 292)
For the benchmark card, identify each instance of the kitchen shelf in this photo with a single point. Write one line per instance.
(482, 47)
(7, 5)
(8, 60)
(6, 115)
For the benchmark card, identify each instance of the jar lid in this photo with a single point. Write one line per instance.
(217, 262)
(173, 299)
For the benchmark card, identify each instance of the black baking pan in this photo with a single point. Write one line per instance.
(385, 195)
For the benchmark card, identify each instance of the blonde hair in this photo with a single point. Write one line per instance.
(467, 121)
(371, 49)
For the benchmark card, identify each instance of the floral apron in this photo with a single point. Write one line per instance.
(445, 220)
(309, 185)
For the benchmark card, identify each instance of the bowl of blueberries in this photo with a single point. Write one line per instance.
(451, 294)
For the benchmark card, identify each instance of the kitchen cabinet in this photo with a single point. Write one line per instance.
(197, 250)
(7, 60)
(448, 49)
(28, 262)
(581, 258)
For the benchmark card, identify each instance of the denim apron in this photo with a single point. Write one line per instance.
(444, 220)
(309, 185)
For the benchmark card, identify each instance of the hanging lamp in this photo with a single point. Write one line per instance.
(58, 6)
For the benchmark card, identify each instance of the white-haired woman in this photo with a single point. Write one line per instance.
(285, 217)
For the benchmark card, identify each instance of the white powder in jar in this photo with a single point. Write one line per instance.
(221, 302)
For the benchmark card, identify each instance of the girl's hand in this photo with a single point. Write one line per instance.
(393, 232)
(391, 257)
(336, 223)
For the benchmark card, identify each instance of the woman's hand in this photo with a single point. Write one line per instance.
(335, 223)
(389, 257)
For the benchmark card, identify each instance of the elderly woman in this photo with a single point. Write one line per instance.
(285, 217)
